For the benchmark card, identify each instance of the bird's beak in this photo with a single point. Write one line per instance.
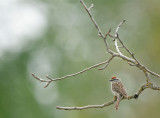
(111, 80)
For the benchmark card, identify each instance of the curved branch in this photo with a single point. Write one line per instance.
(109, 60)
(115, 39)
(71, 75)
(135, 96)
(86, 107)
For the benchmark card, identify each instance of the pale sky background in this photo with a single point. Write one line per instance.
(18, 22)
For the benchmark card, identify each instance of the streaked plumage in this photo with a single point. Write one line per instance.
(118, 90)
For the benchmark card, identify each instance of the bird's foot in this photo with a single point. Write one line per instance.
(115, 98)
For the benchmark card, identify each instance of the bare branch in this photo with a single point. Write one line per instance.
(109, 60)
(98, 28)
(38, 78)
(115, 39)
(135, 96)
(142, 88)
(91, 7)
(86, 69)
(131, 64)
(95, 23)
(121, 23)
(47, 84)
(151, 72)
(86, 107)
(108, 33)
(137, 62)
(117, 47)
(71, 75)
(132, 61)
(147, 76)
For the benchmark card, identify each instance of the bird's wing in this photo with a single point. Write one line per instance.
(119, 88)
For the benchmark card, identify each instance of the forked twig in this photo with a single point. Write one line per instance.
(71, 75)
(105, 66)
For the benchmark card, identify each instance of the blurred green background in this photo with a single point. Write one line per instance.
(57, 37)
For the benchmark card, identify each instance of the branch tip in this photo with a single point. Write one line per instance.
(49, 77)
(91, 7)
(33, 75)
(47, 84)
(108, 33)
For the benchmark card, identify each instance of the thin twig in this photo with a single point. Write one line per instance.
(137, 62)
(71, 75)
(115, 39)
(117, 29)
(93, 20)
(147, 76)
(98, 28)
(151, 72)
(105, 66)
(108, 33)
(86, 107)
(38, 78)
(91, 7)
(86, 69)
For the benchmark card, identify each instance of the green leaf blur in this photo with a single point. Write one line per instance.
(60, 39)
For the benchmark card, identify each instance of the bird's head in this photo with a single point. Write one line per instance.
(114, 79)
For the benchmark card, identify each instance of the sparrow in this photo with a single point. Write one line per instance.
(118, 90)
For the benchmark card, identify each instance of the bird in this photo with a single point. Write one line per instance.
(118, 89)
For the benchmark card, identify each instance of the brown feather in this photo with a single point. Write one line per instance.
(119, 88)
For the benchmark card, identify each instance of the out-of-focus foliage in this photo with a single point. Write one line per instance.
(57, 37)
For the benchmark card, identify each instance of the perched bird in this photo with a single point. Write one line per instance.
(118, 90)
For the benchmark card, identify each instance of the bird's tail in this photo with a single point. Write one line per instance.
(118, 102)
